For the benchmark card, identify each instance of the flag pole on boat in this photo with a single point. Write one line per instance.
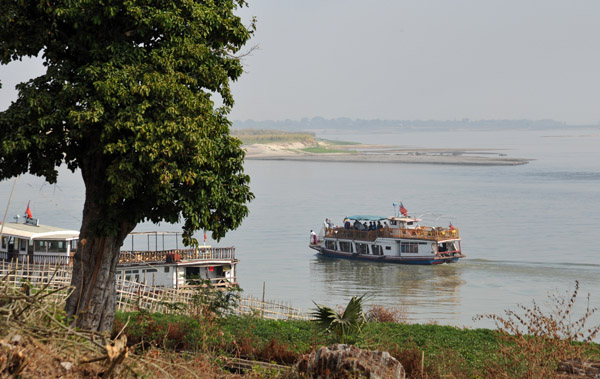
(8, 206)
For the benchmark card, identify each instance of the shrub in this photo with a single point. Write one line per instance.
(377, 313)
(535, 341)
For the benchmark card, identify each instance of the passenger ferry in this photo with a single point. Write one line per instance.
(35, 243)
(397, 239)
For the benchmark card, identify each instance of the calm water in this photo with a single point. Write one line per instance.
(527, 230)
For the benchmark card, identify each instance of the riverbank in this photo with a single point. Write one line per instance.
(326, 151)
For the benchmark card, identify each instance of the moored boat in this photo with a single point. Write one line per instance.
(397, 239)
(166, 266)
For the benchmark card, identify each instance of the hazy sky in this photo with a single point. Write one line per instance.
(421, 59)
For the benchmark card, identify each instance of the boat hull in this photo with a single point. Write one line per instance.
(385, 259)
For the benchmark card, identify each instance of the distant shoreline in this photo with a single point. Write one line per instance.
(382, 154)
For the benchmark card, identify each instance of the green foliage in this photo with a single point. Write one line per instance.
(160, 330)
(448, 351)
(345, 325)
(323, 150)
(127, 99)
(214, 302)
(336, 142)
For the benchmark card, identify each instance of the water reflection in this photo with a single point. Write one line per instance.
(424, 292)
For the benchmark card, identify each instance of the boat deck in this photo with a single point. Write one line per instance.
(422, 233)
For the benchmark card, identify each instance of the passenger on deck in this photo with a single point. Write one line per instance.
(365, 226)
(347, 223)
(330, 223)
(379, 226)
(357, 225)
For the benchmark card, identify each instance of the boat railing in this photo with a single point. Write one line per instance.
(421, 232)
(52, 259)
(128, 257)
(177, 255)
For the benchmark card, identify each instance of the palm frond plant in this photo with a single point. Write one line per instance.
(344, 325)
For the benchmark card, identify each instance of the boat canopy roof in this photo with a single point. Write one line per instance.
(367, 218)
(38, 232)
(405, 219)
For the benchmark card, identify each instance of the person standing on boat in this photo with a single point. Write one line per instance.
(347, 223)
(313, 237)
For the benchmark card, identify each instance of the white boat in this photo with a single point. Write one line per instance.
(396, 239)
(168, 267)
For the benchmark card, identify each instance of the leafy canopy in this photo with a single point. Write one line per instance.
(127, 98)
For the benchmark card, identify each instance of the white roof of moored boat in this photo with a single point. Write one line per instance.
(33, 232)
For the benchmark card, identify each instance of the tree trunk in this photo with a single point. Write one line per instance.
(93, 300)
(92, 303)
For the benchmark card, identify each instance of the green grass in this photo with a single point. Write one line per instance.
(335, 142)
(447, 351)
(324, 150)
(263, 136)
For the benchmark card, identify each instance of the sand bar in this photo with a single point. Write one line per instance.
(383, 154)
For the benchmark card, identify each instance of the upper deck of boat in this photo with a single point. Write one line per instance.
(418, 233)
(209, 254)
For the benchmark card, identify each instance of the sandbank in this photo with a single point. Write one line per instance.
(383, 154)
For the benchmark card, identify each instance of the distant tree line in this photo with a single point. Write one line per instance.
(344, 123)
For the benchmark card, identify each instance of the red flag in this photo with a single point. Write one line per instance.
(403, 210)
(28, 212)
(452, 226)
(204, 237)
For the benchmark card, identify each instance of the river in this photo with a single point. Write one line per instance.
(528, 231)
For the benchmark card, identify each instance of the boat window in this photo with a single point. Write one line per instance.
(362, 248)
(346, 246)
(409, 247)
(330, 244)
(57, 246)
(377, 250)
(409, 223)
(23, 244)
(40, 246)
(150, 270)
(4, 242)
(166, 268)
(73, 245)
(388, 248)
(393, 222)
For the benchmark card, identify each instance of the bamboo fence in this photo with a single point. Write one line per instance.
(134, 296)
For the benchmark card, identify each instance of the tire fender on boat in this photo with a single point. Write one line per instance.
(434, 248)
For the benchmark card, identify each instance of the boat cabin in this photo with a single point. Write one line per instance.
(33, 242)
(403, 222)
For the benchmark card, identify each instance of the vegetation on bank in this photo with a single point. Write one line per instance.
(36, 340)
(425, 351)
(265, 136)
(529, 344)
(312, 144)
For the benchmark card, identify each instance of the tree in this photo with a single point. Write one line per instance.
(127, 99)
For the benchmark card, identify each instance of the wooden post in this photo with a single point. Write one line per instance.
(262, 314)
